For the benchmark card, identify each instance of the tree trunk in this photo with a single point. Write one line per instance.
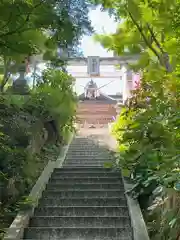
(6, 74)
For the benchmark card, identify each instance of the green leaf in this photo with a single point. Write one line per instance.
(108, 165)
(173, 222)
(126, 172)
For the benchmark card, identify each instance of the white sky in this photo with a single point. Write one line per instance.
(102, 23)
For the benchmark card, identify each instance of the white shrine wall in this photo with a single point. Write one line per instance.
(114, 81)
(119, 80)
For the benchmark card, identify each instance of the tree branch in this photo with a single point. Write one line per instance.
(7, 23)
(154, 38)
(20, 28)
(143, 36)
(7, 73)
(6, 45)
(163, 57)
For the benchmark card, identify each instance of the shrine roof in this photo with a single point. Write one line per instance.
(100, 99)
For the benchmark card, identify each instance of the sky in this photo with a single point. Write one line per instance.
(102, 23)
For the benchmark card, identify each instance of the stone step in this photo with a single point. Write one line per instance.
(85, 174)
(86, 170)
(83, 139)
(108, 201)
(78, 186)
(89, 163)
(83, 165)
(85, 238)
(88, 152)
(87, 177)
(93, 166)
(70, 180)
(95, 193)
(83, 200)
(88, 233)
(88, 155)
(86, 149)
(85, 145)
(82, 211)
(78, 221)
(92, 142)
(88, 159)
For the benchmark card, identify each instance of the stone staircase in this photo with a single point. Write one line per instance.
(83, 200)
(95, 112)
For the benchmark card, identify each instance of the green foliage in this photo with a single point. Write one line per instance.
(56, 93)
(148, 129)
(26, 203)
(34, 127)
(167, 226)
(39, 27)
(148, 29)
(32, 130)
(52, 21)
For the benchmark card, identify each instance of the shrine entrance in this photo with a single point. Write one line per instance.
(96, 108)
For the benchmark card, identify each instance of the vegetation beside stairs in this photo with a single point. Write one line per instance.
(33, 129)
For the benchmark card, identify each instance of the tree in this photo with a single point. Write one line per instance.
(39, 27)
(66, 21)
(148, 129)
(32, 129)
(148, 28)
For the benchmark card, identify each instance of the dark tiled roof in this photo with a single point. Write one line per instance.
(102, 98)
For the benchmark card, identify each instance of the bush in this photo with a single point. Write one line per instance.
(148, 135)
(31, 127)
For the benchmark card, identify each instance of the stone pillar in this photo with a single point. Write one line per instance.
(127, 83)
(124, 80)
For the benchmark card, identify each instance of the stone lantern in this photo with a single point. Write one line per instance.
(20, 85)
